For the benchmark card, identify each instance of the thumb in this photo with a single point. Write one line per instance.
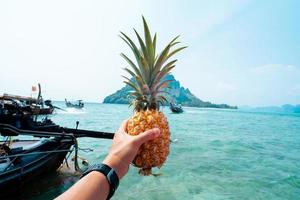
(148, 135)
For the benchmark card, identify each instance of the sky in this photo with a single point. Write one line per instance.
(240, 52)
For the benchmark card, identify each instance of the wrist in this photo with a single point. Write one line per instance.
(116, 163)
(103, 182)
(102, 172)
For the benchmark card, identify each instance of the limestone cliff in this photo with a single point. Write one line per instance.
(178, 94)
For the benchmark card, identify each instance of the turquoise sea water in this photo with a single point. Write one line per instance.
(217, 154)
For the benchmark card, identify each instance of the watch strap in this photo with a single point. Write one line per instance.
(109, 173)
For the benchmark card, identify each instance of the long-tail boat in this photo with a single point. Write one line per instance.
(36, 106)
(26, 160)
(175, 108)
(78, 105)
(23, 161)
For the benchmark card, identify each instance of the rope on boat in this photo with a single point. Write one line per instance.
(41, 152)
(67, 157)
(76, 146)
(66, 161)
(56, 135)
(76, 156)
(77, 168)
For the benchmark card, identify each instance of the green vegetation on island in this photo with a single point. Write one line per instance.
(177, 94)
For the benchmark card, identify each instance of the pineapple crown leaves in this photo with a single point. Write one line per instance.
(149, 69)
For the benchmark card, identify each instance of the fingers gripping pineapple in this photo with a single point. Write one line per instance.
(148, 84)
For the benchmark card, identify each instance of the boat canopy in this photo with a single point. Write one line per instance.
(17, 97)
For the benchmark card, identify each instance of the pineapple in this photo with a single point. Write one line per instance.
(148, 84)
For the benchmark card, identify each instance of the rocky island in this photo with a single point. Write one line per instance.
(178, 94)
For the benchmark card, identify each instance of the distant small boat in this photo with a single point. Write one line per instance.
(176, 108)
(79, 104)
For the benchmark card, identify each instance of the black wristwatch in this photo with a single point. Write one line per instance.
(109, 173)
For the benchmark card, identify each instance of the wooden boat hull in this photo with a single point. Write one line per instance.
(74, 106)
(37, 110)
(34, 165)
(177, 110)
(45, 111)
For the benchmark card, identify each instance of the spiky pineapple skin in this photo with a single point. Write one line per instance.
(154, 152)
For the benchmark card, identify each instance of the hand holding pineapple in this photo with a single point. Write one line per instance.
(147, 144)
(125, 147)
(148, 84)
(123, 150)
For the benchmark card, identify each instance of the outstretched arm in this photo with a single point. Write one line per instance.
(122, 152)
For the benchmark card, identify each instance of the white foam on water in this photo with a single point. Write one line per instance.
(174, 140)
(72, 111)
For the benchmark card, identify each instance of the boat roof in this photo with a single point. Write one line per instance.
(17, 97)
